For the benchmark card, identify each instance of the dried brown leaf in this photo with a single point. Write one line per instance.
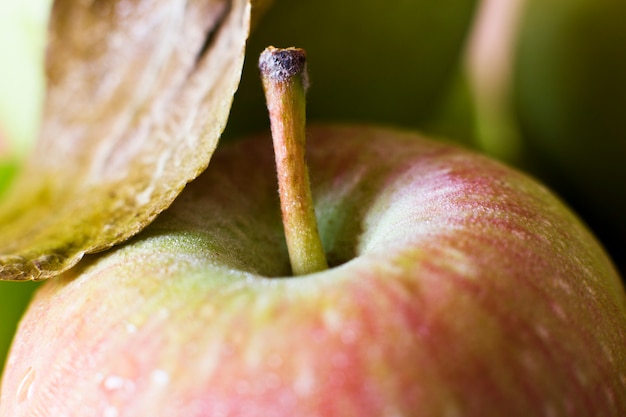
(138, 95)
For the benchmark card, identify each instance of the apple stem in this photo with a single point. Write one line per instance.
(283, 72)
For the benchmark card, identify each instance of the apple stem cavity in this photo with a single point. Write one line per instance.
(284, 76)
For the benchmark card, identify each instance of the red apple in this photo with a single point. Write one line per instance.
(457, 287)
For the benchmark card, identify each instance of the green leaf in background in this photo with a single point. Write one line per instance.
(7, 173)
(14, 297)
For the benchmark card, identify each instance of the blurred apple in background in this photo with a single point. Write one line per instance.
(396, 58)
(570, 100)
(550, 92)
(23, 27)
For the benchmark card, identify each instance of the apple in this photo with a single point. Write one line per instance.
(457, 287)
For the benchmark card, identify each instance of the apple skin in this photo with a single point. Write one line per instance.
(460, 287)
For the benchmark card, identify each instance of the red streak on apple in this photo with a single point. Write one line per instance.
(459, 288)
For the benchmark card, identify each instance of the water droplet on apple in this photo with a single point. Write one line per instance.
(608, 352)
(590, 290)
(160, 377)
(562, 284)
(558, 311)
(116, 383)
(332, 320)
(113, 382)
(163, 313)
(131, 328)
(111, 411)
(25, 389)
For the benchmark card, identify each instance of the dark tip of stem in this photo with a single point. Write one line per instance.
(281, 65)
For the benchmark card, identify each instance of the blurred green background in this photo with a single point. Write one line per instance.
(371, 61)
